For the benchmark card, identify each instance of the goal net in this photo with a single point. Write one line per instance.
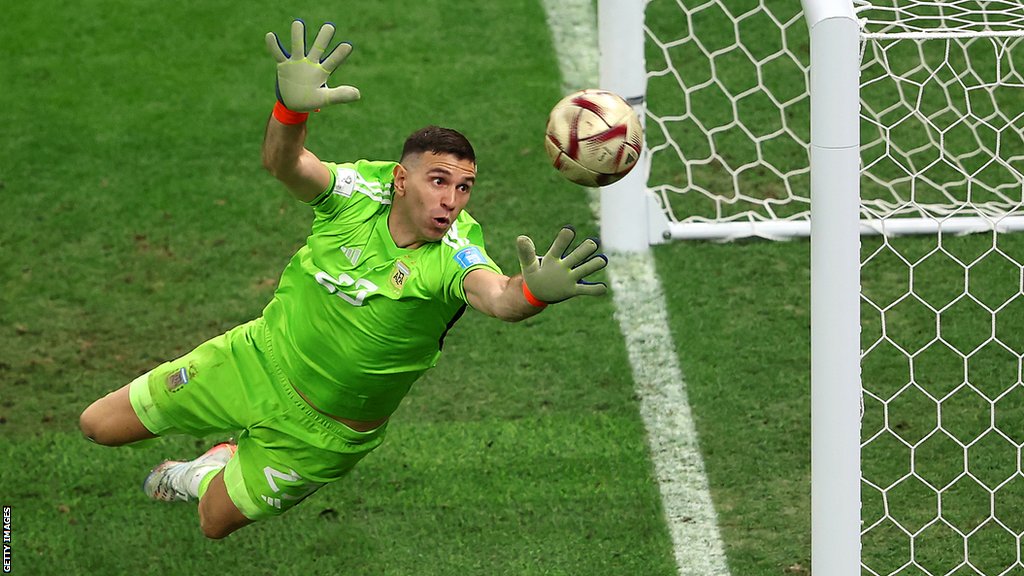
(942, 146)
(727, 116)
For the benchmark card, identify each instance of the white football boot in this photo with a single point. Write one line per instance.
(179, 481)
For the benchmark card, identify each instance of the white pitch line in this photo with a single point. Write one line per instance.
(675, 450)
(640, 312)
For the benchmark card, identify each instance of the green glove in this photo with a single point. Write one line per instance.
(559, 276)
(302, 78)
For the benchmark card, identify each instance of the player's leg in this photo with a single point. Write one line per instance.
(197, 394)
(218, 515)
(259, 482)
(225, 384)
(200, 479)
(188, 395)
(281, 462)
(112, 421)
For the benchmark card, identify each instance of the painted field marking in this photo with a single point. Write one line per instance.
(641, 314)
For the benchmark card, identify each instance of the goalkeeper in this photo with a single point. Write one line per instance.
(360, 313)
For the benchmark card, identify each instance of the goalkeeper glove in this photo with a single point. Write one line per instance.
(301, 77)
(559, 276)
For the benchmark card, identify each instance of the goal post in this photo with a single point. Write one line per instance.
(835, 287)
(630, 218)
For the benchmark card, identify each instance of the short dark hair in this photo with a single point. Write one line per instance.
(439, 141)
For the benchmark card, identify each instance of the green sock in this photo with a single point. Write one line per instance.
(205, 482)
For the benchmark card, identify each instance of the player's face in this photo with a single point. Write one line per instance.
(433, 189)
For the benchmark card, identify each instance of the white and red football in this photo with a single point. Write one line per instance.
(593, 137)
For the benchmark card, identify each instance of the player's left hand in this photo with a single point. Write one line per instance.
(301, 77)
(559, 276)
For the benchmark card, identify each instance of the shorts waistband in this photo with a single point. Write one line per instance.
(333, 426)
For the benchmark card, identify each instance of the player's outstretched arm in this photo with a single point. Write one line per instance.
(561, 274)
(301, 88)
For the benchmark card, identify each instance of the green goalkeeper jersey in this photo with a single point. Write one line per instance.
(356, 319)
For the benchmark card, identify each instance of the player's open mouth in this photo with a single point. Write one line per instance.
(442, 222)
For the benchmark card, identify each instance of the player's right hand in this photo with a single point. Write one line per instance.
(301, 77)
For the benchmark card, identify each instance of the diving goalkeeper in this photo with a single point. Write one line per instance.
(360, 313)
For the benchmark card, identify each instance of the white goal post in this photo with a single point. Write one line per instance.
(835, 289)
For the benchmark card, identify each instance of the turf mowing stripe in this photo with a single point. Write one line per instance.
(640, 312)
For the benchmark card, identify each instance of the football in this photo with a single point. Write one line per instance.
(593, 137)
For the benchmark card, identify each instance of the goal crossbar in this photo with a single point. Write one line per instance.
(938, 34)
(776, 229)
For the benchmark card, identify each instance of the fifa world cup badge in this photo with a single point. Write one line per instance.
(399, 275)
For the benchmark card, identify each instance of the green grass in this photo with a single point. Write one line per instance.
(741, 324)
(492, 496)
(138, 223)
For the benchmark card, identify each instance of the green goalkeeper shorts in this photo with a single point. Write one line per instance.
(232, 385)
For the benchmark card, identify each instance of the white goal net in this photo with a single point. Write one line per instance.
(727, 116)
(942, 315)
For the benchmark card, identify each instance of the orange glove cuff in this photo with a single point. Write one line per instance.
(531, 298)
(286, 116)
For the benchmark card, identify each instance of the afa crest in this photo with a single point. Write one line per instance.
(180, 377)
(399, 275)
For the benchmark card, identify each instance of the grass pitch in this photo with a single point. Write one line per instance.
(138, 223)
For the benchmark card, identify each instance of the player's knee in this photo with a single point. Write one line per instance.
(96, 426)
(215, 528)
(90, 424)
(216, 521)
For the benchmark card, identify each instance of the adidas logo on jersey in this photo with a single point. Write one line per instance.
(352, 254)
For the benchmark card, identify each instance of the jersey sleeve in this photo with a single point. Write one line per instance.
(467, 253)
(366, 177)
